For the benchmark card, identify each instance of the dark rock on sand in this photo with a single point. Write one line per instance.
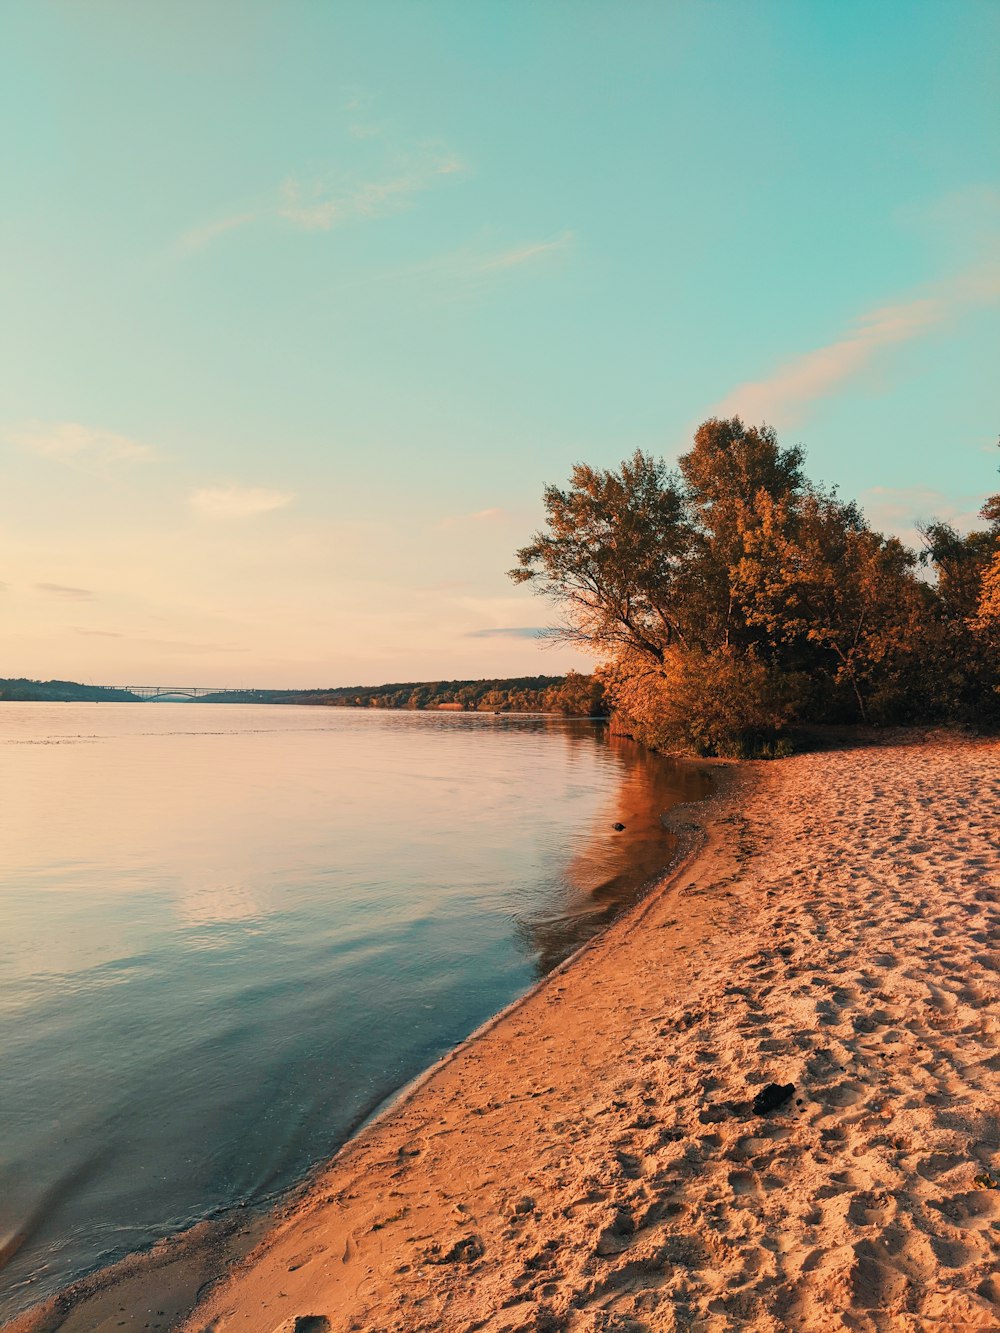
(771, 1097)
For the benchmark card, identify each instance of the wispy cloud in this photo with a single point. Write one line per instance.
(319, 204)
(966, 221)
(902, 510)
(97, 633)
(784, 395)
(238, 501)
(463, 271)
(479, 516)
(512, 632)
(198, 237)
(65, 590)
(362, 130)
(358, 105)
(523, 254)
(73, 442)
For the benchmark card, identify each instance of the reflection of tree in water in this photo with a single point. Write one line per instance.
(609, 870)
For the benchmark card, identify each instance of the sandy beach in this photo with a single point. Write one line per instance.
(594, 1162)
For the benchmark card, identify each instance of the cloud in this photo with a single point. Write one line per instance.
(513, 632)
(238, 501)
(98, 633)
(198, 237)
(466, 268)
(783, 396)
(966, 220)
(360, 130)
(318, 205)
(477, 517)
(524, 254)
(324, 202)
(64, 590)
(72, 442)
(357, 104)
(901, 510)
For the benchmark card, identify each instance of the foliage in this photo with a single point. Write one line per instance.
(961, 647)
(57, 691)
(614, 557)
(711, 704)
(731, 597)
(988, 611)
(573, 695)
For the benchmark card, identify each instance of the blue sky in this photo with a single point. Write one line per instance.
(304, 303)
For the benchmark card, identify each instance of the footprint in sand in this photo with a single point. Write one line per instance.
(742, 1182)
(953, 1253)
(977, 1209)
(841, 1182)
(937, 1164)
(869, 1209)
(302, 1260)
(979, 997)
(873, 1282)
(843, 1094)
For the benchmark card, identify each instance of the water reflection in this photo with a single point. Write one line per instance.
(610, 869)
(229, 931)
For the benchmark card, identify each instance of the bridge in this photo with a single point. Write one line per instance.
(178, 691)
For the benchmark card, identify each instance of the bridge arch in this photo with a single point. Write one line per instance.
(152, 692)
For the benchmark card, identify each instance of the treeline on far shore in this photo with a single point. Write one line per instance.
(20, 688)
(573, 695)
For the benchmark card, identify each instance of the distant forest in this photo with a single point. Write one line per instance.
(572, 695)
(20, 688)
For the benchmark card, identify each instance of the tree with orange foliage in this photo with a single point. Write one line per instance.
(734, 596)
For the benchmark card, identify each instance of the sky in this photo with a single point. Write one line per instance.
(302, 304)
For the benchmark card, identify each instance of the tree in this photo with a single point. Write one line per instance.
(988, 608)
(734, 596)
(643, 563)
(833, 597)
(960, 659)
(614, 557)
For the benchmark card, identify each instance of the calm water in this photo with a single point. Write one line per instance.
(228, 932)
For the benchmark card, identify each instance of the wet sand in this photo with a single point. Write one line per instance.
(593, 1162)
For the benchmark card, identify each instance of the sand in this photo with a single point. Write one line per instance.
(593, 1161)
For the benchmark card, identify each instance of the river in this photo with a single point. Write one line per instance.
(228, 932)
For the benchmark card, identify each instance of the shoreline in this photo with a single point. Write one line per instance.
(592, 1161)
(171, 1274)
